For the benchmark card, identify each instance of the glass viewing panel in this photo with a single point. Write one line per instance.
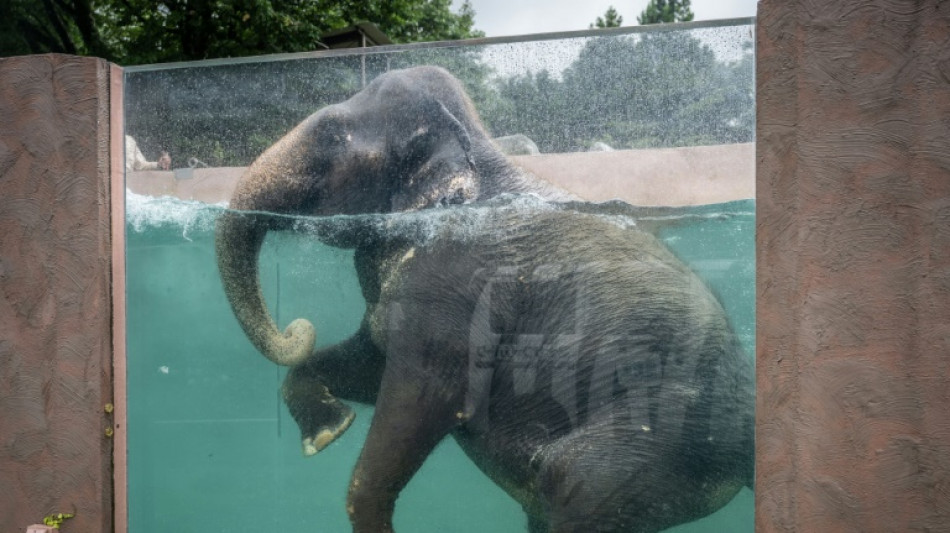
(555, 357)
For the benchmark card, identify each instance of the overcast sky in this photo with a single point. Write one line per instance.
(499, 18)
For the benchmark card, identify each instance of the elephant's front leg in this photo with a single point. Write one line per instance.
(414, 412)
(351, 370)
(321, 417)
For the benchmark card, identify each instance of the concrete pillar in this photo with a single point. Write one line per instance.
(853, 275)
(56, 300)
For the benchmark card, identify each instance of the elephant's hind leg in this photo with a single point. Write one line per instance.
(591, 481)
(412, 415)
(537, 524)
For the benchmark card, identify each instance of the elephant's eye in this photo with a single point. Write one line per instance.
(342, 138)
(333, 133)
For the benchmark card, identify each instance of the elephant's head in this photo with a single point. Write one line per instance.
(404, 142)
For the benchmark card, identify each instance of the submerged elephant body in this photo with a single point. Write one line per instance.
(577, 362)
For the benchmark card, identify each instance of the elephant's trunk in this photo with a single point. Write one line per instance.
(277, 182)
(238, 241)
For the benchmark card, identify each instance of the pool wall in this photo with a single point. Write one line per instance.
(853, 266)
(57, 431)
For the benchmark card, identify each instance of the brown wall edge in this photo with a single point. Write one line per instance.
(120, 395)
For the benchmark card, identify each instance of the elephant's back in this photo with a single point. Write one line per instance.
(566, 327)
(579, 317)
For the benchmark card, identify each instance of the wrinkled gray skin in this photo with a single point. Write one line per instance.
(580, 365)
(410, 140)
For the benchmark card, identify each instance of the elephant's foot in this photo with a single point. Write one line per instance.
(321, 417)
(326, 435)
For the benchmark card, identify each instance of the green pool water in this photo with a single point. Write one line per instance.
(211, 445)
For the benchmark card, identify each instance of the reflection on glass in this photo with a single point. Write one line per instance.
(594, 360)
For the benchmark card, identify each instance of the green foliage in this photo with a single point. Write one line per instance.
(227, 115)
(408, 21)
(147, 31)
(611, 19)
(56, 520)
(660, 89)
(657, 90)
(132, 32)
(536, 105)
(664, 11)
(50, 26)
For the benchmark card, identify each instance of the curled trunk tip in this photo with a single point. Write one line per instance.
(298, 341)
(238, 243)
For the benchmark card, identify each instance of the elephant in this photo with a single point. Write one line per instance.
(576, 361)
(409, 140)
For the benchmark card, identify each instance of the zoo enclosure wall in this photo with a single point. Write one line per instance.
(61, 281)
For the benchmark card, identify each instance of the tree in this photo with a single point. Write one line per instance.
(611, 19)
(226, 115)
(131, 32)
(664, 11)
(50, 26)
(661, 89)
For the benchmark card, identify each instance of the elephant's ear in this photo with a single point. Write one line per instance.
(436, 164)
(454, 125)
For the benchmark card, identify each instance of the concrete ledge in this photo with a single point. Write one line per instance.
(695, 175)
(669, 176)
(209, 185)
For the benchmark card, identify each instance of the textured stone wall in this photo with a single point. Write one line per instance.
(853, 286)
(55, 298)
